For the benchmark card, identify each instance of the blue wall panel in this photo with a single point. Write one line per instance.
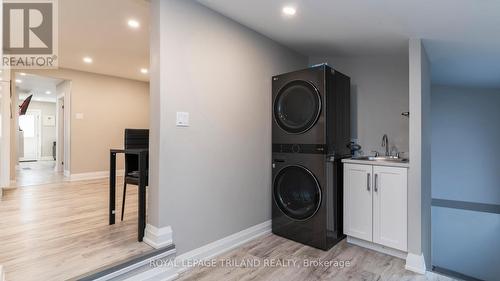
(466, 167)
(466, 242)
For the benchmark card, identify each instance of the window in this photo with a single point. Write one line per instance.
(27, 124)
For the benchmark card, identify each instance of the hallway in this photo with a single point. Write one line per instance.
(37, 173)
(60, 231)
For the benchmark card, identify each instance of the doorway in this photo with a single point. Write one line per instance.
(30, 136)
(39, 130)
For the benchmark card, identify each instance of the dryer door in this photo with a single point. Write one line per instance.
(297, 106)
(297, 192)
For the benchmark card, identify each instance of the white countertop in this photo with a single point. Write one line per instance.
(377, 163)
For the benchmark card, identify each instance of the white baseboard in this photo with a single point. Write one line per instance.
(92, 175)
(227, 243)
(158, 237)
(46, 158)
(415, 263)
(204, 253)
(66, 173)
(376, 247)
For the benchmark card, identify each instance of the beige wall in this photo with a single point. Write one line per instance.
(214, 177)
(109, 105)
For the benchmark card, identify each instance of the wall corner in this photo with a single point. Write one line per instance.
(158, 237)
(415, 263)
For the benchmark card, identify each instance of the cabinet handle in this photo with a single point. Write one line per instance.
(368, 182)
(376, 185)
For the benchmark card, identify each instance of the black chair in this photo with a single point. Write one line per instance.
(134, 139)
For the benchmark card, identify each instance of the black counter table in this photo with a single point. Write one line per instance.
(142, 158)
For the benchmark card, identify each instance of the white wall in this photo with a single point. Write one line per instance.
(5, 129)
(426, 164)
(379, 94)
(213, 178)
(63, 90)
(419, 177)
(5, 106)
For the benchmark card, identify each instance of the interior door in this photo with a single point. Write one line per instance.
(390, 207)
(358, 189)
(30, 125)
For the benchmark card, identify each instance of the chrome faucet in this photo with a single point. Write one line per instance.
(385, 143)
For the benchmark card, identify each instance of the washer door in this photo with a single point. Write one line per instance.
(297, 106)
(297, 192)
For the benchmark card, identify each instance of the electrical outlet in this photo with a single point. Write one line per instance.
(182, 119)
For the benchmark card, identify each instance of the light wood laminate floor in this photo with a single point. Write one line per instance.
(37, 173)
(60, 231)
(364, 264)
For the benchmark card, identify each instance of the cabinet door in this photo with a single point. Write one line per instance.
(390, 207)
(358, 201)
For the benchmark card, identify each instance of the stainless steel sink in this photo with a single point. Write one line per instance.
(382, 158)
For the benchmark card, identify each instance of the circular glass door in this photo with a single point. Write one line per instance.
(297, 106)
(297, 192)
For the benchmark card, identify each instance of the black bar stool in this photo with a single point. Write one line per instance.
(134, 139)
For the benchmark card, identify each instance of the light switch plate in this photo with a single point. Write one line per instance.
(79, 116)
(182, 119)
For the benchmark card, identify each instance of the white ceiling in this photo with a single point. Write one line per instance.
(38, 86)
(98, 29)
(462, 37)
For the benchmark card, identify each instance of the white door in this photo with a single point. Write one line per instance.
(60, 135)
(389, 207)
(30, 124)
(358, 187)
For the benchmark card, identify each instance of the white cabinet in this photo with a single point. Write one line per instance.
(358, 201)
(390, 207)
(375, 204)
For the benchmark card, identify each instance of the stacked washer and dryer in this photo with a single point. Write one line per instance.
(311, 133)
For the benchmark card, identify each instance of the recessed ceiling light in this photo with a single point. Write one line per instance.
(22, 74)
(48, 92)
(144, 70)
(289, 11)
(133, 24)
(19, 81)
(88, 60)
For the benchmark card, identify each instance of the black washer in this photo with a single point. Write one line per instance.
(297, 192)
